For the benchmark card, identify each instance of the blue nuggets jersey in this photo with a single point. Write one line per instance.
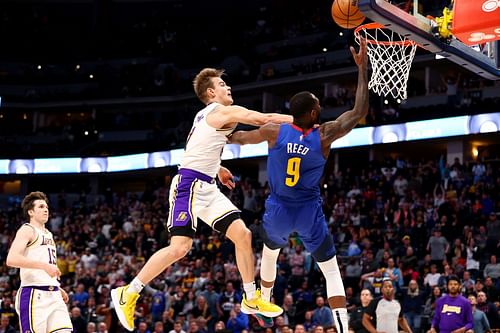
(295, 165)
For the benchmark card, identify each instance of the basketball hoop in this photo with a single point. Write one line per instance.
(391, 55)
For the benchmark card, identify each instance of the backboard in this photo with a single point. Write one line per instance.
(410, 18)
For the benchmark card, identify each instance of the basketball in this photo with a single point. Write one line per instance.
(347, 14)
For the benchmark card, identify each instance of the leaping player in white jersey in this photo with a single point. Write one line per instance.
(40, 302)
(194, 194)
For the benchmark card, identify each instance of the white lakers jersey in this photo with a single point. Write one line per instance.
(41, 249)
(204, 144)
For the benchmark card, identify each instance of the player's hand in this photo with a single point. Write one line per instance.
(361, 57)
(64, 295)
(52, 270)
(226, 178)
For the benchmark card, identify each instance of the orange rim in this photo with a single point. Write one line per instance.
(376, 25)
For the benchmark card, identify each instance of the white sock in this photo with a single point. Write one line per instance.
(340, 319)
(249, 289)
(266, 293)
(136, 286)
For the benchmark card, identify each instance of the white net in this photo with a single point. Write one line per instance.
(391, 55)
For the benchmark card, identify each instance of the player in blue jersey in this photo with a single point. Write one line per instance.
(297, 155)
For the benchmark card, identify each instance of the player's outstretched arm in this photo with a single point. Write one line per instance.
(268, 132)
(332, 130)
(224, 115)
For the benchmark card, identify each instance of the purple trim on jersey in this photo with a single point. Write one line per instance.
(181, 209)
(182, 206)
(192, 175)
(25, 310)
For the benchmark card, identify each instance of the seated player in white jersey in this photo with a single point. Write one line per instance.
(40, 302)
(297, 156)
(194, 194)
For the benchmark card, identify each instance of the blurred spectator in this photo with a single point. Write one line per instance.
(5, 326)
(432, 278)
(228, 298)
(443, 279)
(481, 324)
(438, 247)
(352, 273)
(238, 321)
(7, 310)
(102, 327)
(393, 273)
(493, 241)
(158, 327)
(452, 84)
(491, 290)
(473, 257)
(91, 327)
(201, 309)
(143, 328)
(308, 323)
(88, 259)
(321, 314)
(492, 269)
(299, 329)
(289, 311)
(177, 328)
(374, 281)
(412, 306)
(356, 316)
(467, 284)
(79, 324)
(430, 307)
(80, 297)
(220, 327)
(489, 308)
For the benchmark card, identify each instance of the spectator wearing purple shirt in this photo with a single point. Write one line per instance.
(453, 311)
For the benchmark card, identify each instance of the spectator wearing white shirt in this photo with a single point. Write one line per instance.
(432, 278)
(89, 260)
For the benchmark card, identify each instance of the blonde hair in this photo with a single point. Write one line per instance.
(203, 81)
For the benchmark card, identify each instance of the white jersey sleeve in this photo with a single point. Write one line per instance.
(204, 144)
(42, 249)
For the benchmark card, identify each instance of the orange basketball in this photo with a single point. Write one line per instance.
(347, 14)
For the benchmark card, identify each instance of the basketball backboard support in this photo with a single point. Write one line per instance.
(419, 28)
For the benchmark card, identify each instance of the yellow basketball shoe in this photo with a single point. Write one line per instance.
(124, 302)
(257, 305)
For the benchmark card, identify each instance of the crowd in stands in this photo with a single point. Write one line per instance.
(63, 53)
(412, 222)
(150, 51)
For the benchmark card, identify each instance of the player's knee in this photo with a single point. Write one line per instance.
(181, 249)
(244, 238)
